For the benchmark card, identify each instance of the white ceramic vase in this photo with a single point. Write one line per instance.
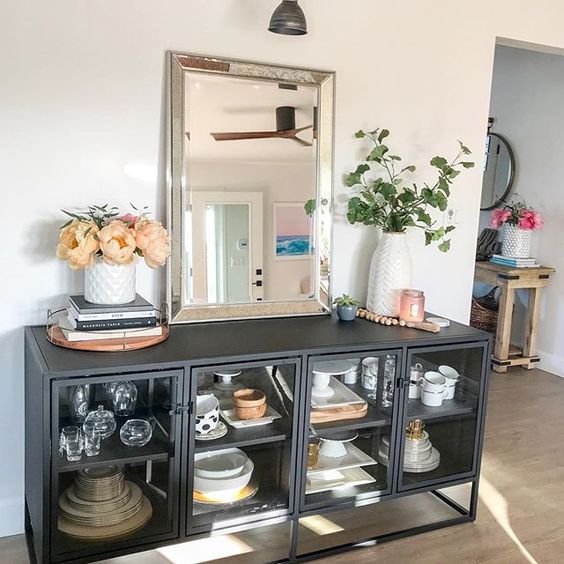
(516, 242)
(390, 273)
(107, 284)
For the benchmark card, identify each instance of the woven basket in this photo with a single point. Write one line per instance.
(483, 318)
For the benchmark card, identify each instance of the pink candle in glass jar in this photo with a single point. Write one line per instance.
(412, 306)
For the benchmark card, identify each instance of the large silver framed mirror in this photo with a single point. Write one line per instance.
(251, 182)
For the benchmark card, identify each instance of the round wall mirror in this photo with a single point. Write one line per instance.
(498, 172)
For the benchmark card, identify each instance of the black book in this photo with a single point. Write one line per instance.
(103, 325)
(82, 306)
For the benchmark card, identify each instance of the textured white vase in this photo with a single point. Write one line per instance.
(107, 284)
(516, 242)
(390, 273)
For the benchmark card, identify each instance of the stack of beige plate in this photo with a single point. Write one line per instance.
(101, 504)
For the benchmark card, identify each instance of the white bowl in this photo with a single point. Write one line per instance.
(224, 486)
(449, 372)
(220, 463)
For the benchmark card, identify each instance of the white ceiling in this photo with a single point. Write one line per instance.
(228, 104)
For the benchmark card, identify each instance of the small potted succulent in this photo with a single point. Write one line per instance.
(346, 307)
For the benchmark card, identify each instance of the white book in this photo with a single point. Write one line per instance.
(110, 315)
(74, 335)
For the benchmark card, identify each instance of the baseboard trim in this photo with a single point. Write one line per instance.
(11, 516)
(551, 363)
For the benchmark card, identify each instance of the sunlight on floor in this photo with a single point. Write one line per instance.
(204, 550)
(320, 525)
(498, 507)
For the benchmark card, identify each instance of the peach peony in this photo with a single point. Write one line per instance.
(117, 243)
(154, 242)
(78, 244)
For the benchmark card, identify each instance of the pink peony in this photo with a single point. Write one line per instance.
(130, 219)
(78, 244)
(529, 220)
(117, 243)
(499, 217)
(154, 242)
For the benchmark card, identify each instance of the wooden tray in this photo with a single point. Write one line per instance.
(57, 337)
(324, 415)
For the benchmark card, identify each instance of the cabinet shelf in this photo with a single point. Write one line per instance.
(278, 430)
(450, 408)
(113, 451)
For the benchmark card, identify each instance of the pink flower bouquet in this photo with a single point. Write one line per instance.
(115, 238)
(518, 214)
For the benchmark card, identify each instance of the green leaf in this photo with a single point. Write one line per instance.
(443, 185)
(310, 206)
(360, 134)
(387, 190)
(424, 217)
(450, 228)
(442, 201)
(439, 162)
(406, 197)
(354, 178)
(377, 153)
(394, 158)
(444, 246)
(383, 134)
(411, 168)
(465, 150)
(428, 237)
(467, 164)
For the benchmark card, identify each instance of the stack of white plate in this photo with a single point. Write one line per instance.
(419, 454)
(220, 476)
(101, 504)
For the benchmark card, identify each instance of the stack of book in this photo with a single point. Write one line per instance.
(514, 262)
(89, 322)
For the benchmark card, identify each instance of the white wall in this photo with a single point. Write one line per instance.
(81, 108)
(526, 102)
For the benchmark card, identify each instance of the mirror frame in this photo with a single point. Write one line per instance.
(178, 63)
(504, 196)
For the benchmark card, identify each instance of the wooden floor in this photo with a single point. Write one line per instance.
(521, 509)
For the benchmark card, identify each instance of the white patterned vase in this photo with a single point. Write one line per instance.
(516, 242)
(107, 284)
(390, 273)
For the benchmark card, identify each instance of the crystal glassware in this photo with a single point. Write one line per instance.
(92, 443)
(79, 398)
(125, 398)
(137, 432)
(388, 381)
(102, 421)
(74, 446)
(68, 432)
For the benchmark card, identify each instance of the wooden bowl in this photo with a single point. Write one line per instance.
(248, 398)
(250, 412)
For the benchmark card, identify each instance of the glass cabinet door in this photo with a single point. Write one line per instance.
(243, 447)
(352, 406)
(440, 425)
(114, 462)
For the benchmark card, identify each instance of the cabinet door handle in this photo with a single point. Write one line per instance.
(179, 408)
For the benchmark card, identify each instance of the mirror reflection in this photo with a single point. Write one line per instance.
(498, 172)
(251, 187)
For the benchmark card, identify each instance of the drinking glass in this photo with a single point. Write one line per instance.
(79, 398)
(68, 432)
(74, 446)
(125, 398)
(92, 443)
(388, 381)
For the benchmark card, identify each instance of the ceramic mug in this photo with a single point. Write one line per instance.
(369, 378)
(207, 413)
(415, 376)
(452, 376)
(433, 389)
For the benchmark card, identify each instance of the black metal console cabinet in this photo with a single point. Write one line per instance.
(301, 501)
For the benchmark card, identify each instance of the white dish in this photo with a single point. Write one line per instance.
(332, 367)
(218, 464)
(353, 458)
(217, 433)
(335, 480)
(231, 417)
(224, 487)
(342, 396)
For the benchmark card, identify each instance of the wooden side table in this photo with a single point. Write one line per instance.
(510, 279)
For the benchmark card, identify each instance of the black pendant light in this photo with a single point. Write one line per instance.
(288, 19)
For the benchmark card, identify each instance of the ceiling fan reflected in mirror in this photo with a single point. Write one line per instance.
(285, 129)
